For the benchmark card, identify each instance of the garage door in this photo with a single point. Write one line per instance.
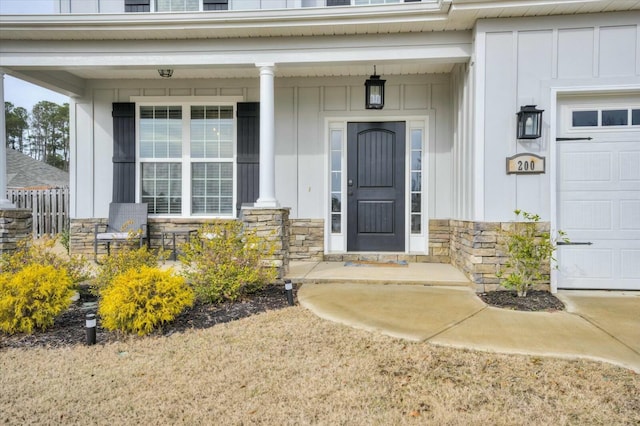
(598, 190)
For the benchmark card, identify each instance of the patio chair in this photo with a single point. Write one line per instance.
(126, 222)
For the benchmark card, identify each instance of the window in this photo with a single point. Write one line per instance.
(137, 5)
(606, 117)
(336, 181)
(585, 118)
(186, 156)
(615, 117)
(372, 2)
(215, 4)
(416, 181)
(177, 5)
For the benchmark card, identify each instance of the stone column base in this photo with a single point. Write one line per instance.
(273, 225)
(16, 225)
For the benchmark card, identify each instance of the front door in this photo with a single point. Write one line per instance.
(375, 186)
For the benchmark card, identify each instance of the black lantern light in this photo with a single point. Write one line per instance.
(374, 91)
(529, 122)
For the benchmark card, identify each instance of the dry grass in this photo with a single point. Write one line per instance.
(289, 367)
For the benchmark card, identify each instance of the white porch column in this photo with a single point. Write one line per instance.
(267, 197)
(4, 202)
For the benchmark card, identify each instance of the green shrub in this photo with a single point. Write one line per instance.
(65, 239)
(33, 297)
(530, 253)
(139, 300)
(224, 262)
(42, 253)
(123, 260)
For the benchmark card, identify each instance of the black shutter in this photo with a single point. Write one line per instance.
(215, 4)
(124, 152)
(338, 2)
(411, 1)
(137, 5)
(248, 153)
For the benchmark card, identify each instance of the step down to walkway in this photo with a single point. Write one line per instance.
(431, 274)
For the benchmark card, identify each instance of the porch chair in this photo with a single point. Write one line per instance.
(126, 220)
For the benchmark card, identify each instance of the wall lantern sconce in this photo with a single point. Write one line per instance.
(165, 72)
(374, 91)
(529, 122)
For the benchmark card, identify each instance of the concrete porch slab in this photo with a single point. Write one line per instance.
(409, 312)
(436, 274)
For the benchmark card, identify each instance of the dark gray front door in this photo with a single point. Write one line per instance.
(375, 186)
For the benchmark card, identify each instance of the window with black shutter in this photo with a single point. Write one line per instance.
(137, 5)
(215, 4)
(338, 2)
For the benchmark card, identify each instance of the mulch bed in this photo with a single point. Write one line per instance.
(69, 328)
(535, 300)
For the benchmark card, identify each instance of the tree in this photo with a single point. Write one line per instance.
(17, 124)
(50, 133)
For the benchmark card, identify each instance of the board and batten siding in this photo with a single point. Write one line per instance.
(462, 161)
(302, 108)
(519, 62)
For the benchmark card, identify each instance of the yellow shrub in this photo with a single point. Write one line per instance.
(139, 300)
(33, 297)
(42, 253)
(125, 259)
(224, 262)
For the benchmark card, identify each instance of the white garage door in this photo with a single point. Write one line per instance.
(598, 190)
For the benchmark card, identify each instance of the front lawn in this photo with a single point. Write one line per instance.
(289, 367)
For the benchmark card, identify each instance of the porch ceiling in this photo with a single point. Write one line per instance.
(282, 70)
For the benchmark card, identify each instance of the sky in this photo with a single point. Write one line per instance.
(26, 95)
(19, 92)
(8, 7)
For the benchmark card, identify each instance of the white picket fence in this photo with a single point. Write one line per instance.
(50, 208)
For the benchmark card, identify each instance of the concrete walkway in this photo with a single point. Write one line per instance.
(603, 326)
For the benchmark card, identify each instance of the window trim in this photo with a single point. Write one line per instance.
(568, 110)
(186, 103)
(153, 7)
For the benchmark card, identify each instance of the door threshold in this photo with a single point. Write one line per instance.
(375, 257)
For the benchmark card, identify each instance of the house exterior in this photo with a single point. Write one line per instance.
(255, 109)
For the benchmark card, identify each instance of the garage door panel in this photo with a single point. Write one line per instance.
(586, 167)
(629, 166)
(598, 190)
(630, 263)
(630, 215)
(586, 215)
(581, 262)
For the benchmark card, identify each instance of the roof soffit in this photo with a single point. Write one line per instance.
(434, 15)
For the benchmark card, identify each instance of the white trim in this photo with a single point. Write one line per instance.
(477, 139)
(185, 102)
(555, 93)
(217, 100)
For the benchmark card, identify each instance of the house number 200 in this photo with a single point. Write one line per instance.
(526, 166)
(525, 163)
